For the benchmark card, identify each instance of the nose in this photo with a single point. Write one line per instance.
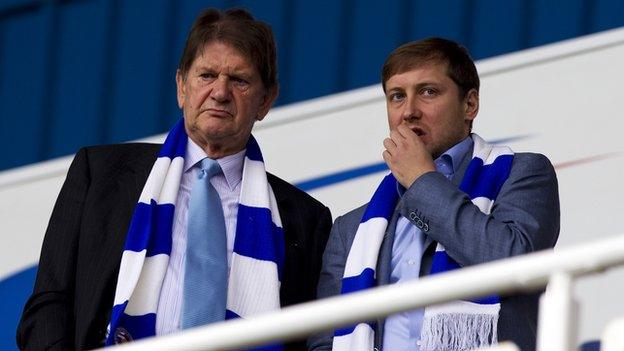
(411, 111)
(221, 90)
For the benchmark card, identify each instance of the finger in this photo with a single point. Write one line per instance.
(410, 136)
(405, 131)
(397, 138)
(389, 144)
(387, 157)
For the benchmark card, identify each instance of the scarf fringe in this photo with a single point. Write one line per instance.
(468, 329)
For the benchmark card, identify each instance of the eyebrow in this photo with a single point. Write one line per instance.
(237, 72)
(394, 89)
(417, 86)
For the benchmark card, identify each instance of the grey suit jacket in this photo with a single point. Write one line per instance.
(524, 218)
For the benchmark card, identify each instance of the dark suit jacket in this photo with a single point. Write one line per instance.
(73, 294)
(524, 218)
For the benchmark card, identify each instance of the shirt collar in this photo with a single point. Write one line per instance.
(232, 165)
(450, 160)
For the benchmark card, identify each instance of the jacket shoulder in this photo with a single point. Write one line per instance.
(532, 157)
(286, 191)
(349, 222)
(103, 158)
(532, 163)
(129, 150)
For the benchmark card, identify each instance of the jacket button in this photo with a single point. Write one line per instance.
(413, 216)
(425, 227)
(419, 223)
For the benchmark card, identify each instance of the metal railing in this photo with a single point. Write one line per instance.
(554, 269)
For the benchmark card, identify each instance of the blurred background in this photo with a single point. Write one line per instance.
(82, 72)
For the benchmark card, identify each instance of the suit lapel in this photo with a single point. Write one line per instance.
(385, 251)
(428, 248)
(295, 243)
(129, 181)
(456, 180)
(116, 200)
(383, 267)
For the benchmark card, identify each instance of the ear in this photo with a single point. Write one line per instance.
(267, 102)
(180, 80)
(471, 105)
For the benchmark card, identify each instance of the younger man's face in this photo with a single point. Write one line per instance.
(429, 102)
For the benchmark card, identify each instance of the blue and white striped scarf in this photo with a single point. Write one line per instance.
(257, 260)
(459, 325)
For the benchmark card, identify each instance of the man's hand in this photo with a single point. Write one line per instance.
(406, 155)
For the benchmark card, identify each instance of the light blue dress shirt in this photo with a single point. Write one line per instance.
(228, 185)
(402, 330)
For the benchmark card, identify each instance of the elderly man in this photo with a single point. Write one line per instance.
(213, 235)
(452, 200)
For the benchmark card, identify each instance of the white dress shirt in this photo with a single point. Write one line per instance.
(228, 185)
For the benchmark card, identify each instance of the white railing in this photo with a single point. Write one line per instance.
(523, 273)
(503, 346)
(613, 337)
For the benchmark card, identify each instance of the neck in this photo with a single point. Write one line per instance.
(217, 150)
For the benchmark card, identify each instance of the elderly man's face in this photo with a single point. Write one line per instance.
(222, 97)
(429, 102)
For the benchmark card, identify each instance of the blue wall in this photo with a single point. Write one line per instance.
(74, 73)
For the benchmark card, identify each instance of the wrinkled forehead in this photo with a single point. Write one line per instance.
(239, 58)
(204, 49)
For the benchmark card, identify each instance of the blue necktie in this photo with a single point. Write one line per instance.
(205, 275)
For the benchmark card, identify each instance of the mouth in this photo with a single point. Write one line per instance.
(418, 131)
(219, 113)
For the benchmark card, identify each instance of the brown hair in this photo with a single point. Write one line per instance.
(460, 67)
(236, 27)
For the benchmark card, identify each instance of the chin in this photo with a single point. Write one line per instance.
(434, 152)
(212, 127)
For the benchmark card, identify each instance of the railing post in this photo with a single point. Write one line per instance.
(613, 336)
(558, 312)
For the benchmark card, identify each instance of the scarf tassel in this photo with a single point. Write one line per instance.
(445, 329)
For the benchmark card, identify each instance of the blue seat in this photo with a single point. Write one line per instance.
(591, 345)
